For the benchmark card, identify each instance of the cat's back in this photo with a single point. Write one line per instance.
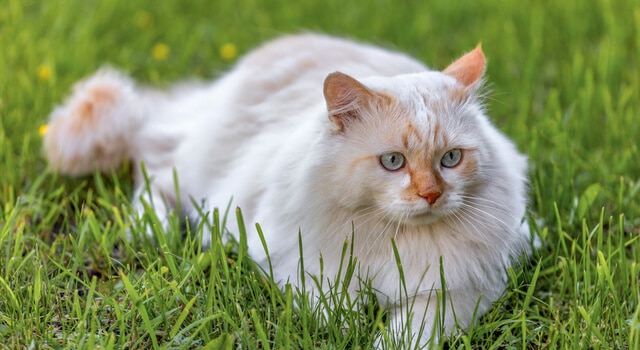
(294, 67)
(315, 52)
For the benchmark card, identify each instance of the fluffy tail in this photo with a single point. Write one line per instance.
(97, 125)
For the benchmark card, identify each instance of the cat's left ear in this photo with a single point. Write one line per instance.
(345, 97)
(469, 68)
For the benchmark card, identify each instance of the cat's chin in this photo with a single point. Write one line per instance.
(422, 219)
(420, 216)
(429, 215)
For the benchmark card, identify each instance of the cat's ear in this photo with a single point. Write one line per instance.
(345, 96)
(469, 68)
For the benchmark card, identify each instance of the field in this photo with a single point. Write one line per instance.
(565, 85)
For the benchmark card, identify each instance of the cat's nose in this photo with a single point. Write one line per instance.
(431, 196)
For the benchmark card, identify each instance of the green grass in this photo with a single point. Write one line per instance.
(565, 77)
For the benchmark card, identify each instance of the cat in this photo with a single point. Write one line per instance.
(327, 140)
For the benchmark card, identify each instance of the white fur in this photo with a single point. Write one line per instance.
(261, 135)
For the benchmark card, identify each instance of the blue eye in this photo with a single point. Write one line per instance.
(451, 158)
(392, 161)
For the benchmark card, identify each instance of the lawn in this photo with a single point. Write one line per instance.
(565, 85)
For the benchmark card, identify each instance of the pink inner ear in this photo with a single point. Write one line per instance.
(344, 96)
(469, 68)
(344, 92)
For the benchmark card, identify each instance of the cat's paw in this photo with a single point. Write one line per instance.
(95, 126)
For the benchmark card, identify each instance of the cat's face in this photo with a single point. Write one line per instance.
(407, 147)
(415, 156)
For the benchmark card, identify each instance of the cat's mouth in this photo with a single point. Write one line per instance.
(423, 219)
(422, 216)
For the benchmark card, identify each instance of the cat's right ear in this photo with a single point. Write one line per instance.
(469, 68)
(345, 96)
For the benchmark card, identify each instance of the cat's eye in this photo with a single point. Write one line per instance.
(451, 158)
(392, 161)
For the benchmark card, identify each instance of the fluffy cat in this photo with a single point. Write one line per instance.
(333, 139)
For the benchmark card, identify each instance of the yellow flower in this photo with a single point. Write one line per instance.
(44, 72)
(43, 129)
(160, 52)
(228, 51)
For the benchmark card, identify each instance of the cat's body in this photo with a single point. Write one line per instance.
(450, 188)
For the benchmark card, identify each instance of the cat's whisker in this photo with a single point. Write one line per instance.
(380, 236)
(508, 232)
(490, 208)
(469, 211)
(471, 227)
(487, 203)
(475, 197)
(483, 199)
(475, 210)
(489, 231)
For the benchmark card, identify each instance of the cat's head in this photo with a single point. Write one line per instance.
(412, 146)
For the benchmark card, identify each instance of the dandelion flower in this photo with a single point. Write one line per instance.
(160, 52)
(42, 130)
(228, 51)
(44, 72)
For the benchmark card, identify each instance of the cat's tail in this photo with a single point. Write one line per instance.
(95, 129)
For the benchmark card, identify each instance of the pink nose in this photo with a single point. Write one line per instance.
(431, 196)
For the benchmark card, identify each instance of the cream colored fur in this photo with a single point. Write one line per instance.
(298, 151)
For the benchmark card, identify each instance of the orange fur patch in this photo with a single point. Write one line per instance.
(405, 139)
(411, 132)
(437, 128)
(84, 114)
(103, 95)
(425, 182)
(356, 162)
(468, 164)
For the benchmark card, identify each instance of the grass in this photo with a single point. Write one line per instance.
(565, 77)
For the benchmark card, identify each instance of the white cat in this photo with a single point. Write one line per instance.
(383, 150)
